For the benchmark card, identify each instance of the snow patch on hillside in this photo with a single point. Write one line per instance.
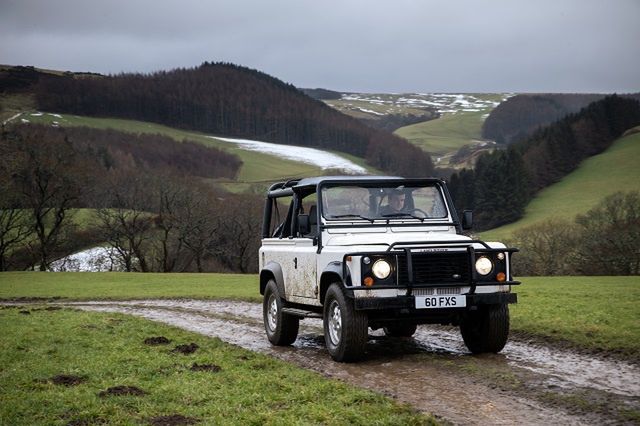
(444, 103)
(324, 160)
(96, 259)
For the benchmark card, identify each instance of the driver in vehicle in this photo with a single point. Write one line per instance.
(396, 203)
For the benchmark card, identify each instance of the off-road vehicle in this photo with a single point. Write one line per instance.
(378, 252)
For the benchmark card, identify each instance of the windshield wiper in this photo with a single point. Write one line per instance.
(357, 216)
(401, 214)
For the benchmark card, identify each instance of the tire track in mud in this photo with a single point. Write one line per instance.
(397, 367)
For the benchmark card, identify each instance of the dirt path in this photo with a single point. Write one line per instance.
(525, 384)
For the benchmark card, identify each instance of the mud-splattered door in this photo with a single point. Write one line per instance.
(300, 275)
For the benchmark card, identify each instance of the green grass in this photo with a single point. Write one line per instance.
(614, 170)
(446, 134)
(107, 350)
(598, 313)
(256, 167)
(122, 285)
(595, 313)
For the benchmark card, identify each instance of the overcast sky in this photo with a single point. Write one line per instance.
(346, 45)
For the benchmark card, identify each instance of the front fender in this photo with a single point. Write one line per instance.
(333, 273)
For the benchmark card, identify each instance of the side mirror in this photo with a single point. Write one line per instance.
(304, 227)
(467, 219)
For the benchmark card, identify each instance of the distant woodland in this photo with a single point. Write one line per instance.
(229, 100)
(503, 182)
(520, 116)
(150, 199)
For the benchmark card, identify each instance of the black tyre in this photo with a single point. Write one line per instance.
(487, 329)
(282, 329)
(400, 330)
(345, 329)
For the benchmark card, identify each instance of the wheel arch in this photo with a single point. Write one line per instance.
(272, 271)
(332, 273)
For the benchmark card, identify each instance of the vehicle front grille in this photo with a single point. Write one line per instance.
(437, 291)
(436, 268)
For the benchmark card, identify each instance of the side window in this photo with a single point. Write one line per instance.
(308, 211)
(281, 214)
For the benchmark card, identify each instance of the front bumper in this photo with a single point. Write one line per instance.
(408, 303)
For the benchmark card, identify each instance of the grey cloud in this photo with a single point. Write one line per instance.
(403, 45)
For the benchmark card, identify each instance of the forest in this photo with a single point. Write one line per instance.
(504, 181)
(229, 100)
(520, 116)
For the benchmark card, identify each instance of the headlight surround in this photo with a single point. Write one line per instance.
(381, 269)
(484, 265)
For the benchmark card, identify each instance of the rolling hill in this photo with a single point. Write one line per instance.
(615, 169)
(442, 123)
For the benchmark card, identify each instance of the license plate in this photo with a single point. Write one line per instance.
(440, 302)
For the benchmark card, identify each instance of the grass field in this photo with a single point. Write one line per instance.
(122, 285)
(616, 169)
(595, 313)
(63, 367)
(256, 168)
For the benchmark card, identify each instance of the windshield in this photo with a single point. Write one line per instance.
(383, 201)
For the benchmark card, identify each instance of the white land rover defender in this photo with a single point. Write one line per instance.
(379, 252)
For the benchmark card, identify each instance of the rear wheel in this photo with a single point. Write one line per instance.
(345, 329)
(281, 328)
(400, 330)
(487, 329)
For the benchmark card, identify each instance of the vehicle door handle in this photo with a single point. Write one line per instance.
(295, 263)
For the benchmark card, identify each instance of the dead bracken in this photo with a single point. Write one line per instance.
(206, 367)
(122, 390)
(67, 380)
(186, 349)
(173, 420)
(160, 340)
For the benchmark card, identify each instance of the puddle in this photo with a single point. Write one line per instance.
(391, 366)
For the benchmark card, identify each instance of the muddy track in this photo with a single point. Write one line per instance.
(525, 384)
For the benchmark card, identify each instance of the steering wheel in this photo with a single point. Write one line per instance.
(422, 212)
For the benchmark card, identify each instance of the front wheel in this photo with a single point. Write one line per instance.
(487, 329)
(281, 328)
(345, 329)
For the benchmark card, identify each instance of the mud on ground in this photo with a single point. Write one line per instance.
(527, 383)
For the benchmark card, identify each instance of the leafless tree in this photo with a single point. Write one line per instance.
(125, 221)
(610, 236)
(48, 180)
(546, 248)
(239, 233)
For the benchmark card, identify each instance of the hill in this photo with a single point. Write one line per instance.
(616, 169)
(442, 124)
(505, 181)
(257, 170)
(233, 101)
(520, 116)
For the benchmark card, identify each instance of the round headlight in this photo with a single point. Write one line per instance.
(484, 265)
(381, 269)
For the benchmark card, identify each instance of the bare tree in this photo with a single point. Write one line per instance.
(239, 233)
(48, 180)
(125, 221)
(610, 236)
(546, 248)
